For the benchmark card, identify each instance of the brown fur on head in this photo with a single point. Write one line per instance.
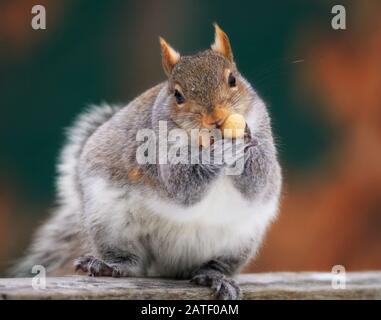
(205, 88)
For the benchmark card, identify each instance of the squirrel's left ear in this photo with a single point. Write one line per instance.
(221, 43)
(169, 56)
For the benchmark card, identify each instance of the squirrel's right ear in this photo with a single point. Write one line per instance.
(221, 43)
(169, 56)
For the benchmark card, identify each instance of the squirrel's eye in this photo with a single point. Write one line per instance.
(179, 97)
(231, 80)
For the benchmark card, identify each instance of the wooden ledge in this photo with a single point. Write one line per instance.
(280, 285)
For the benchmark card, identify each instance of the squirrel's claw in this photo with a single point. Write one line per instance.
(223, 288)
(94, 266)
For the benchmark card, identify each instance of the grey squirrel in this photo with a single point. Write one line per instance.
(116, 217)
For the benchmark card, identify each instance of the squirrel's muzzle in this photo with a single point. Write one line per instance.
(215, 118)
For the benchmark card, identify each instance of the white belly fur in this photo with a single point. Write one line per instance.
(180, 237)
(221, 223)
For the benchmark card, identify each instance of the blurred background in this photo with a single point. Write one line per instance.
(323, 89)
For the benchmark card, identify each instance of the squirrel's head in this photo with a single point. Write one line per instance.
(205, 88)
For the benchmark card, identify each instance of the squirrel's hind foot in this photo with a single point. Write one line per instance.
(96, 267)
(223, 288)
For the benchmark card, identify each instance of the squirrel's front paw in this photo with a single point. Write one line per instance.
(95, 267)
(223, 288)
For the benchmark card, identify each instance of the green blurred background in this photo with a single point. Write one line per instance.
(108, 51)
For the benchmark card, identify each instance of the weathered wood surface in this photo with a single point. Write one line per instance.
(304, 285)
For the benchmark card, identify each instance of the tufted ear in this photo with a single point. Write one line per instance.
(221, 43)
(169, 56)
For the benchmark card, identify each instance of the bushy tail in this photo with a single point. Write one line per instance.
(60, 239)
(56, 243)
(77, 135)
